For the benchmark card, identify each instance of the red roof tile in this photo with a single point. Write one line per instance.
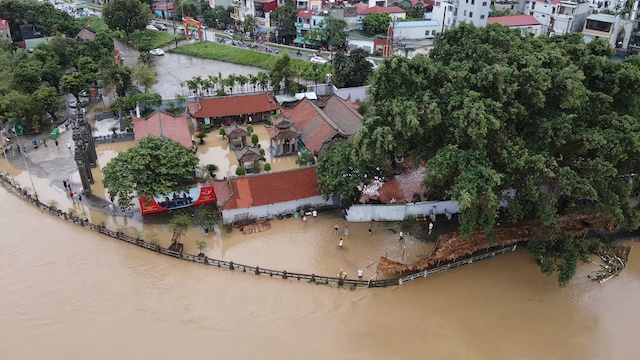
(515, 20)
(307, 13)
(314, 125)
(380, 9)
(269, 188)
(217, 107)
(162, 124)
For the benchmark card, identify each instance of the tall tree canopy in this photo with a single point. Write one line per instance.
(126, 15)
(285, 15)
(46, 18)
(376, 23)
(351, 70)
(330, 31)
(553, 118)
(154, 166)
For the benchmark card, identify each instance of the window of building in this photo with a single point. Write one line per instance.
(426, 33)
(470, 13)
(433, 32)
(533, 5)
(473, 2)
(484, 3)
(481, 16)
(465, 13)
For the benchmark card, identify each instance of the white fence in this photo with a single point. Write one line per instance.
(273, 210)
(399, 212)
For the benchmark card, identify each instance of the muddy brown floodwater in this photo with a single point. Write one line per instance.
(68, 293)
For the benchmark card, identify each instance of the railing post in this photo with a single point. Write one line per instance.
(257, 270)
(231, 265)
(284, 274)
(313, 277)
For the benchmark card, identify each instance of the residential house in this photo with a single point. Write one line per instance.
(395, 12)
(451, 13)
(524, 23)
(307, 20)
(163, 9)
(312, 125)
(219, 111)
(559, 17)
(223, 3)
(163, 124)
(602, 26)
(262, 14)
(85, 34)
(5, 31)
(416, 30)
(309, 5)
(268, 195)
(613, 5)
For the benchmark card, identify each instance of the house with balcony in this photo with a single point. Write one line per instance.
(163, 9)
(602, 26)
(262, 14)
(452, 13)
(524, 23)
(307, 20)
(559, 17)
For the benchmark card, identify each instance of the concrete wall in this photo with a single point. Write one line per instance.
(273, 210)
(399, 212)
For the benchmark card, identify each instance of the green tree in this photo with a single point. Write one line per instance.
(341, 172)
(352, 70)
(330, 31)
(66, 49)
(46, 18)
(27, 76)
(503, 12)
(145, 77)
(74, 84)
(218, 17)
(249, 24)
(376, 23)
(286, 15)
(282, 74)
(305, 158)
(52, 74)
(489, 110)
(179, 224)
(126, 15)
(154, 166)
(205, 217)
(45, 97)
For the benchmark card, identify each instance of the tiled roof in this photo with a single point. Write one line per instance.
(553, 2)
(268, 188)
(217, 107)
(307, 13)
(316, 128)
(346, 117)
(380, 9)
(161, 123)
(515, 20)
(85, 34)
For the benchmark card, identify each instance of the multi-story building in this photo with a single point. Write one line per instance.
(451, 13)
(602, 26)
(559, 16)
(309, 5)
(307, 20)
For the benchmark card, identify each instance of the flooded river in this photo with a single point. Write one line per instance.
(68, 293)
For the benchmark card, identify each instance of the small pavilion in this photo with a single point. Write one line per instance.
(285, 140)
(237, 135)
(249, 158)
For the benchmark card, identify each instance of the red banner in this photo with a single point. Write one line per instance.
(203, 195)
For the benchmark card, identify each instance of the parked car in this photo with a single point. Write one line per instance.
(229, 32)
(84, 93)
(374, 65)
(160, 27)
(152, 27)
(319, 60)
(156, 52)
(73, 104)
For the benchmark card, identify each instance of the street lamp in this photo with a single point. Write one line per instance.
(24, 158)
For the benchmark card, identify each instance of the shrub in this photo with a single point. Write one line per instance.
(206, 128)
(262, 151)
(221, 132)
(201, 137)
(254, 139)
(250, 128)
(240, 171)
(267, 167)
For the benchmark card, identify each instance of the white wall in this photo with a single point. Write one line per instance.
(273, 210)
(475, 12)
(418, 32)
(399, 212)
(542, 11)
(362, 44)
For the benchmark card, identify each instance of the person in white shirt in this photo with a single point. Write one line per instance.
(360, 272)
(341, 242)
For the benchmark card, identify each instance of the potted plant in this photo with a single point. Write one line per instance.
(113, 130)
(201, 135)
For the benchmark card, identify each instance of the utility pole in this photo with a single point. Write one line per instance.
(26, 166)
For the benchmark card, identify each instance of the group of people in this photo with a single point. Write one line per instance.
(75, 197)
